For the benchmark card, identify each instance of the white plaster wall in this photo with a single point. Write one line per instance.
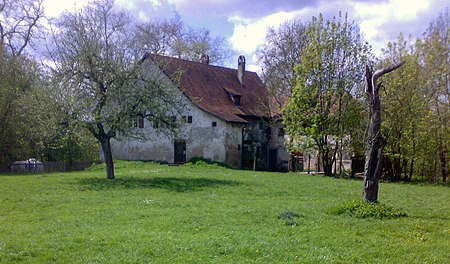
(221, 143)
(202, 140)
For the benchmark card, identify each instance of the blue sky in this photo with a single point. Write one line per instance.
(243, 23)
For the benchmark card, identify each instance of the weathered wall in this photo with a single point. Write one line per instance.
(219, 143)
(277, 142)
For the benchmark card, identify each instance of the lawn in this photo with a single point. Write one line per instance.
(208, 214)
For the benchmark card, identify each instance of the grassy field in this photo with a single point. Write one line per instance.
(208, 214)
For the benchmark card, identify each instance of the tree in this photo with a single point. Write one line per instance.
(19, 74)
(96, 67)
(20, 22)
(172, 37)
(435, 52)
(415, 109)
(403, 110)
(376, 143)
(279, 56)
(51, 131)
(326, 81)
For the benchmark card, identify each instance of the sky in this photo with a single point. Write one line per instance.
(243, 23)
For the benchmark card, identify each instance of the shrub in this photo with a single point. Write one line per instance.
(363, 209)
(199, 161)
(290, 217)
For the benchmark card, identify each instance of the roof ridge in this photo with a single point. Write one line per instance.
(148, 54)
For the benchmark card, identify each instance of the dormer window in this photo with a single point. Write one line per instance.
(237, 99)
(234, 97)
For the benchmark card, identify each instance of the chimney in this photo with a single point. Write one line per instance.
(241, 69)
(204, 59)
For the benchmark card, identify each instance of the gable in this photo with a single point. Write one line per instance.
(217, 90)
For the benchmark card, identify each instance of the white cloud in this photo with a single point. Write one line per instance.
(54, 8)
(249, 34)
(377, 20)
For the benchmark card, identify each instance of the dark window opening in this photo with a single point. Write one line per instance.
(137, 122)
(173, 119)
(155, 124)
(261, 125)
(214, 123)
(237, 99)
(141, 122)
(188, 119)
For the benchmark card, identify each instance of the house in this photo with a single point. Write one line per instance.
(227, 119)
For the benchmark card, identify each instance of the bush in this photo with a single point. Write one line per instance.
(199, 161)
(363, 209)
(290, 217)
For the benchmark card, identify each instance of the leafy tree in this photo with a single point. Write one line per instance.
(326, 81)
(19, 25)
(95, 66)
(416, 105)
(435, 52)
(18, 76)
(51, 130)
(403, 103)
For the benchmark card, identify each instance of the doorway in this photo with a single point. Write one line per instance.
(180, 152)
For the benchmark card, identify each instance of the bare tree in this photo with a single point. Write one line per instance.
(172, 37)
(376, 143)
(108, 88)
(19, 23)
(279, 56)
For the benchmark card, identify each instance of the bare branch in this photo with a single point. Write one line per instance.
(381, 72)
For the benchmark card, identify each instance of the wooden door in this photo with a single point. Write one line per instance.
(180, 152)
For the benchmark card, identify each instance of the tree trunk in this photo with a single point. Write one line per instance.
(444, 171)
(107, 154)
(376, 143)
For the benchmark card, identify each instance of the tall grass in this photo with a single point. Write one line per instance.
(208, 214)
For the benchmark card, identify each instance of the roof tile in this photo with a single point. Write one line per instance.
(209, 87)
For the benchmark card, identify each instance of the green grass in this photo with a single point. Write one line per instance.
(208, 214)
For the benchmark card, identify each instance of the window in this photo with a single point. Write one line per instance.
(155, 124)
(188, 119)
(214, 124)
(237, 100)
(137, 122)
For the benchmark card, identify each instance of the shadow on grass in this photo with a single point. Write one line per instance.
(170, 183)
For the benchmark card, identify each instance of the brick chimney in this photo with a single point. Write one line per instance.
(204, 59)
(241, 69)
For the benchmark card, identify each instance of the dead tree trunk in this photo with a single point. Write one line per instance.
(375, 144)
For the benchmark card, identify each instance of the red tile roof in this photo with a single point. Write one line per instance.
(209, 88)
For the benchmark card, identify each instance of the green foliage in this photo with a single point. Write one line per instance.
(328, 84)
(203, 162)
(416, 108)
(189, 214)
(363, 209)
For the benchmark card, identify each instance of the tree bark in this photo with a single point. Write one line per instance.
(376, 143)
(107, 154)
